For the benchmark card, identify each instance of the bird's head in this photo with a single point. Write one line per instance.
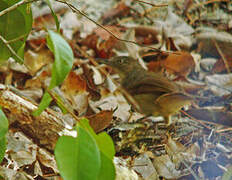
(122, 64)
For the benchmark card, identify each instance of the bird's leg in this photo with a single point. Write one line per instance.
(142, 118)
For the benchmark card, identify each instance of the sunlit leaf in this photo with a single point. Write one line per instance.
(14, 26)
(78, 158)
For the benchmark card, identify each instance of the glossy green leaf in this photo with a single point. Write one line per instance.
(2, 148)
(228, 174)
(107, 168)
(43, 104)
(3, 124)
(78, 158)
(61, 67)
(3, 131)
(14, 26)
(104, 141)
(63, 58)
(106, 145)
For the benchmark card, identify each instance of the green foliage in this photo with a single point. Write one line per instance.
(3, 131)
(61, 67)
(88, 156)
(228, 174)
(14, 26)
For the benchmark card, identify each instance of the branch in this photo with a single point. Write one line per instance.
(11, 8)
(10, 48)
(74, 9)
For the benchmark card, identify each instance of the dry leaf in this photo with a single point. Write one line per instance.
(220, 67)
(36, 60)
(100, 120)
(74, 83)
(180, 64)
(121, 10)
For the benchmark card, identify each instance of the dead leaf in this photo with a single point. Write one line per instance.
(36, 60)
(218, 116)
(121, 10)
(220, 67)
(146, 35)
(74, 83)
(100, 120)
(180, 64)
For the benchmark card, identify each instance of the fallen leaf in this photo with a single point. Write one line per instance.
(220, 67)
(121, 10)
(100, 120)
(36, 60)
(180, 64)
(74, 83)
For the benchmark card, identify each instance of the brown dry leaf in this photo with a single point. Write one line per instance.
(121, 10)
(100, 120)
(218, 116)
(103, 49)
(105, 35)
(74, 88)
(74, 83)
(220, 67)
(155, 66)
(180, 64)
(38, 81)
(36, 60)
(171, 103)
(92, 76)
(146, 35)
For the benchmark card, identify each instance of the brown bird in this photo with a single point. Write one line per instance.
(155, 94)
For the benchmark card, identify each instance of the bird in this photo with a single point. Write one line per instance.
(155, 94)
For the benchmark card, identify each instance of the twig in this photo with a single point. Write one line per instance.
(16, 6)
(10, 48)
(160, 5)
(199, 121)
(207, 2)
(68, 109)
(16, 39)
(74, 9)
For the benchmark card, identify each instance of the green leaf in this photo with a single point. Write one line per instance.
(104, 141)
(106, 145)
(14, 26)
(63, 58)
(228, 174)
(78, 158)
(3, 124)
(61, 67)
(54, 15)
(3, 131)
(43, 104)
(2, 148)
(107, 169)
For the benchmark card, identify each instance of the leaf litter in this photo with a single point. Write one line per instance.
(198, 144)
